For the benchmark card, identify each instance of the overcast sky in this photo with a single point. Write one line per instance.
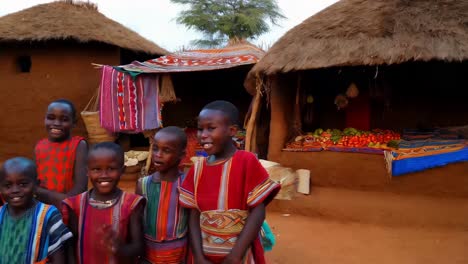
(155, 19)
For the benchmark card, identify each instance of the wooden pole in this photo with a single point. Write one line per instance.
(250, 134)
(297, 129)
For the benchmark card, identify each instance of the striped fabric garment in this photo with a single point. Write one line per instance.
(34, 236)
(416, 162)
(407, 153)
(92, 221)
(128, 103)
(224, 192)
(166, 222)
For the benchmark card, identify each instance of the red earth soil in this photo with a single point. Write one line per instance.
(347, 226)
(302, 239)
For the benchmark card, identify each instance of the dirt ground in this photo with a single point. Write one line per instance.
(347, 226)
(378, 208)
(302, 239)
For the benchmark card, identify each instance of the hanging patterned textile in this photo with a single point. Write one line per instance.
(129, 104)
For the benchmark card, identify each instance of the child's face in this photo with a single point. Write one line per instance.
(104, 170)
(58, 121)
(17, 189)
(214, 131)
(167, 152)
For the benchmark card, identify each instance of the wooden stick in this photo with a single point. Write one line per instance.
(149, 159)
(297, 127)
(249, 135)
(97, 66)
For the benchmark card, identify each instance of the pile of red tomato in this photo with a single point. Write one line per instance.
(376, 138)
(349, 137)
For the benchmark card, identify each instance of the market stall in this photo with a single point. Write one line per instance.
(387, 82)
(138, 98)
(127, 106)
(390, 126)
(414, 151)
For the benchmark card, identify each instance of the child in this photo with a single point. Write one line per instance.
(166, 222)
(227, 193)
(105, 219)
(30, 231)
(60, 158)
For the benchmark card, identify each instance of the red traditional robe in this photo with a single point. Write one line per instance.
(224, 192)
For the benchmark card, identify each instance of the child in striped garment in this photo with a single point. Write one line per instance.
(227, 193)
(165, 220)
(30, 231)
(106, 220)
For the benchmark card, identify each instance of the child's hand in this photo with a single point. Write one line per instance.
(232, 259)
(110, 240)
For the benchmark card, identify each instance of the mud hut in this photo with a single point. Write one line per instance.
(46, 53)
(409, 60)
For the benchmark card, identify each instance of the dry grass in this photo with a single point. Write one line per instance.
(80, 21)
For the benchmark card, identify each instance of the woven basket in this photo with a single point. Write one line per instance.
(90, 116)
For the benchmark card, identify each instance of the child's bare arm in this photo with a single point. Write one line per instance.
(195, 237)
(71, 220)
(58, 257)
(80, 180)
(138, 188)
(248, 234)
(136, 245)
(70, 251)
(50, 197)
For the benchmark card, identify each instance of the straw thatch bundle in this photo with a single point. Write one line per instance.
(166, 89)
(372, 32)
(71, 20)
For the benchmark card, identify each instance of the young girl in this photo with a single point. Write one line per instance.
(60, 158)
(30, 231)
(227, 193)
(166, 222)
(105, 219)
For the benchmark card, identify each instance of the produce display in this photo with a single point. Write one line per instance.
(192, 145)
(239, 139)
(349, 137)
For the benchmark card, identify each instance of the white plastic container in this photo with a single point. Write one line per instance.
(303, 185)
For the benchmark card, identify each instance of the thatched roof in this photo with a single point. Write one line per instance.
(79, 21)
(373, 32)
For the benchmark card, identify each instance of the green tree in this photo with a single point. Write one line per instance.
(228, 20)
